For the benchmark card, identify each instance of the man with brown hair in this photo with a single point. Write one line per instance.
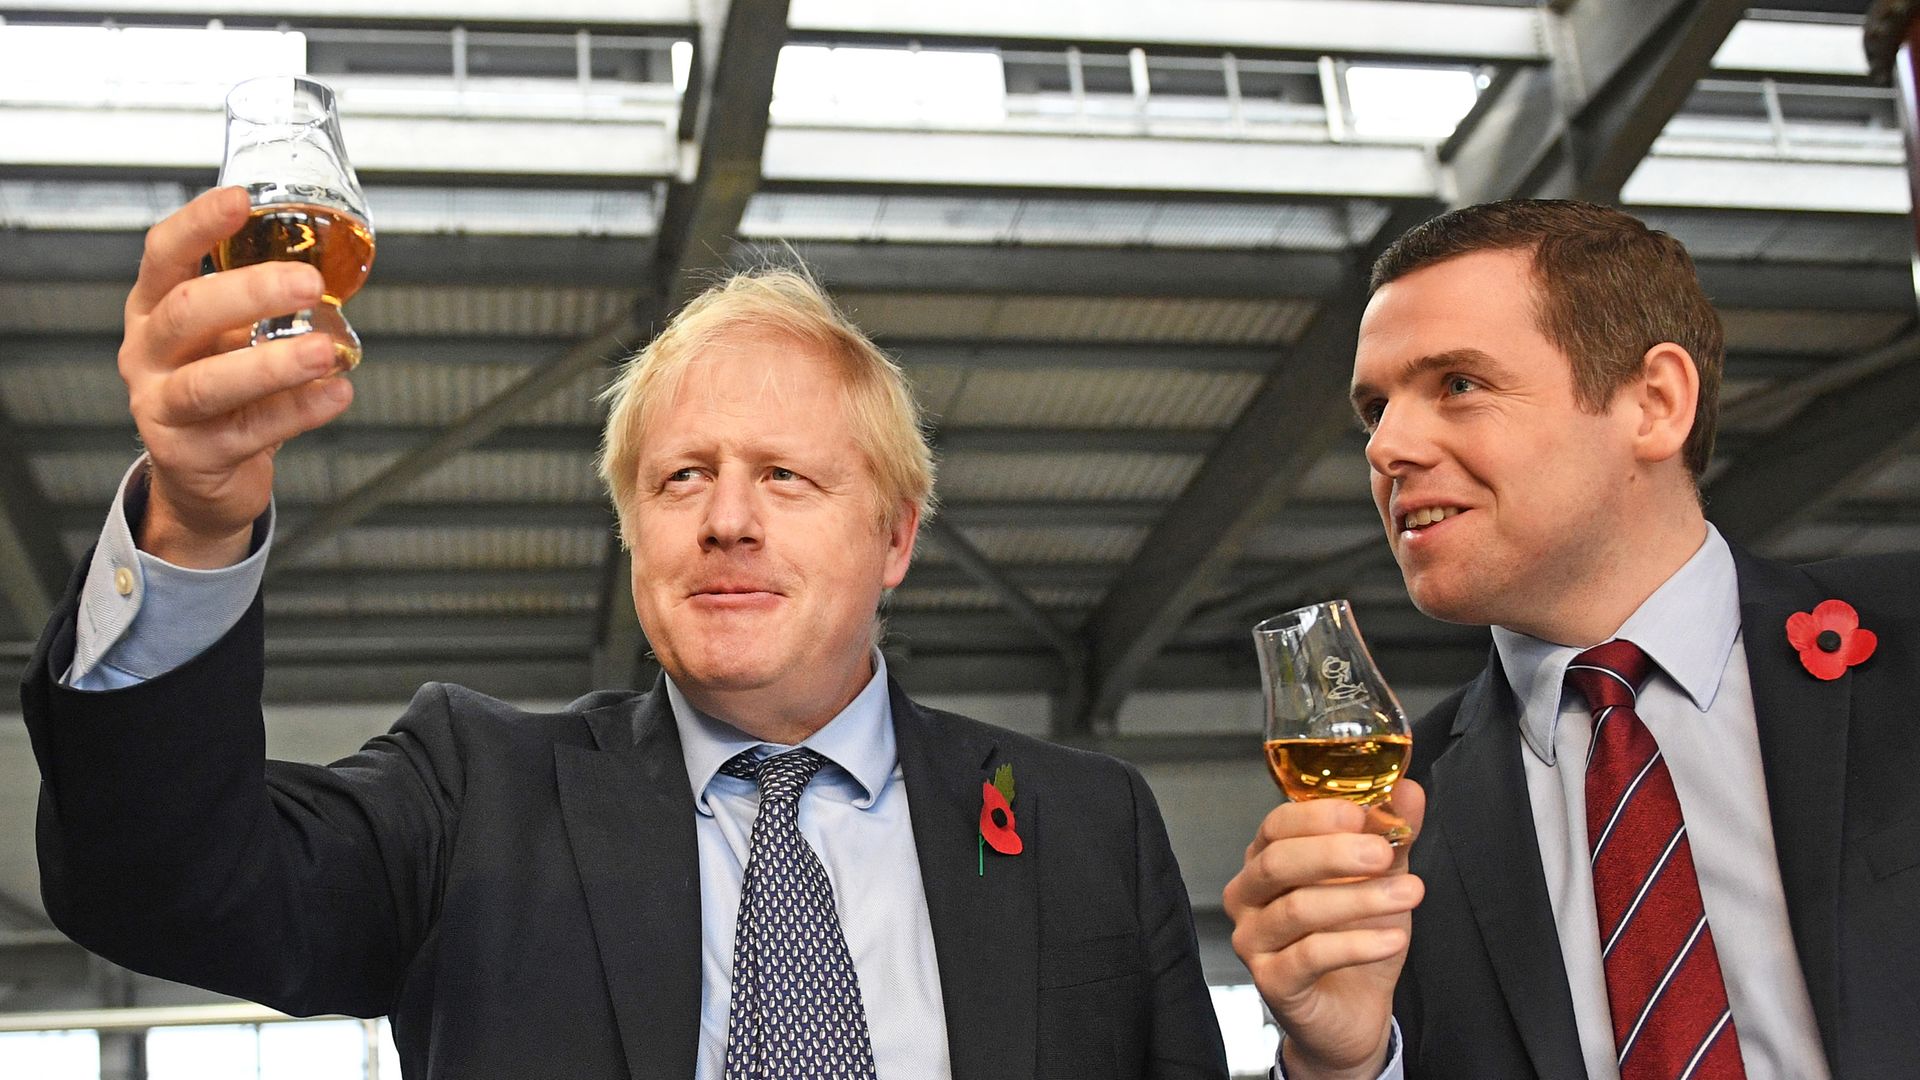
(1669, 831)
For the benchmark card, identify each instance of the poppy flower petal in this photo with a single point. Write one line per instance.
(1836, 615)
(1823, 665)
(1860, 645)
(1801, 630)
(1000, 838)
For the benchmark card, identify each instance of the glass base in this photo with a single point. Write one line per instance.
(326, 319)
(1382, 821)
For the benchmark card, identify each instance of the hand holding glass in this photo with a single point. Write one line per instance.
(1333, 727)
(284, 147)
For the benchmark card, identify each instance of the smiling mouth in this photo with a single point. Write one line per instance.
(1428, 517)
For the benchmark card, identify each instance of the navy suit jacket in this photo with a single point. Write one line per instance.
(1484, 993)
(520, 891)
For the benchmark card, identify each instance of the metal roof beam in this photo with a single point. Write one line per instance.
(1296, 416)
(1016, 161)
(154, 143)
(622, 14)
(1577, 127)
(1729, 183)
(1371, 28)
(997, 269)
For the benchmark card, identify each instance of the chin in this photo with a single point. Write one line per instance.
(1452, 601)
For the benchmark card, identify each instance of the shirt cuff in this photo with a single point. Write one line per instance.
(141, 616)
(1395, 1068)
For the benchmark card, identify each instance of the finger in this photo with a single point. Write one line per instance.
(267, 423)
(1297, 969)
(1313, 817)
(218, 385)
(1299, 861)
(198, 313)
(177, 243)
(1322, 908)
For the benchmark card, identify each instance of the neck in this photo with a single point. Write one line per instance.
(781, 713)
(1600, 597)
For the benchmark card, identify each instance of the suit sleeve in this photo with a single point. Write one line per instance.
(1185, 1040)
(169, 844)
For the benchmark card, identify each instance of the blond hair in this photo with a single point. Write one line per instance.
(887, 422)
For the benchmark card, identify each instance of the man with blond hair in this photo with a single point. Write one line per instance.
(772, 864)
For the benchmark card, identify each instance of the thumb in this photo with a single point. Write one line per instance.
(1409, 804)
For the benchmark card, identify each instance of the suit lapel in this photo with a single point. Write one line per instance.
(629, 816)
(1802, 725)
(986, 927)
(1487, 824)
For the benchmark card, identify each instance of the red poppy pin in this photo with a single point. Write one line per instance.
(1830, 638)
(996, 816)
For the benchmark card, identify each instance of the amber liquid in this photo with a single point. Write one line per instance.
(1360, 770)
(336, 242)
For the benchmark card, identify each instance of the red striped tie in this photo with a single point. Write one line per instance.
(1669, 1004)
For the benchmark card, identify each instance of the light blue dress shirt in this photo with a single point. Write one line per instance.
(854, 813)
(1698, 703)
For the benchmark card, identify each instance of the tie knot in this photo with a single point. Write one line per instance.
(1609, 675)
(780, 776)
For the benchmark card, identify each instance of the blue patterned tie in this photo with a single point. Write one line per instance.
(796, 1008)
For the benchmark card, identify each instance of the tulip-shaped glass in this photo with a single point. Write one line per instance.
(1334, 728)
(284, 147)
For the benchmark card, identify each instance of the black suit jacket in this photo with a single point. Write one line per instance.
(1484, 994)
(521, 891)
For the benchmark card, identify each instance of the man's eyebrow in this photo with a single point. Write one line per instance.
(1469, 359)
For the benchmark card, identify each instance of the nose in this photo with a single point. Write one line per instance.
(733, 512)
(1402, 441)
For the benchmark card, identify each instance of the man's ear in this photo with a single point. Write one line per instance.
(1666, 398)
(901, 536)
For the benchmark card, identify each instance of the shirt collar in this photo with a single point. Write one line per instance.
(1687, 628)
(859, 740)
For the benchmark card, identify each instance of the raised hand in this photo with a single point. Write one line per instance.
(1322, 913)
(211, 409)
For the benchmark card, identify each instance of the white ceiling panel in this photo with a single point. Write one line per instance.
(1030, 544)
(1101, 398)
(407, 392)
(28, 307)
(1065, 476)
(1341, 474)
(1819, 333)
(1071, 318)
(908, 598)
(376, 601)
(55, 393)
(1897, 481)
(469, 310)
(408, 548)
(80, 476)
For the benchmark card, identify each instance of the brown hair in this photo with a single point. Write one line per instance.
(887, 424)
(1609, 289)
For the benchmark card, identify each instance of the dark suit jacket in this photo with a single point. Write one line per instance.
(1484, 993)
(521, 891)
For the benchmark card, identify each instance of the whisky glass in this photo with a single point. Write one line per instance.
(284, 147)
(1333, 727)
